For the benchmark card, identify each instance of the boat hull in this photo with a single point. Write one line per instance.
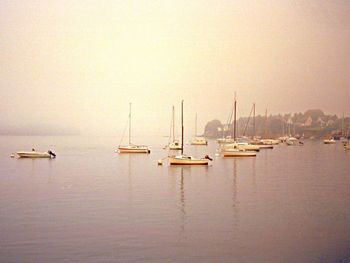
(33, 154)
(329, 142)
(182, 161)
(133, 150)
(199, 143)
(265, 146)
(174, 148)
(238, 154)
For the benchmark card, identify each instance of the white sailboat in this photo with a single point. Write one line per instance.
(347, 146)
(198, 140)
(291, 141)
(329, 141)
(132, 148)
(256, 141)
(235, 150)
(185, 159)
(174, 143)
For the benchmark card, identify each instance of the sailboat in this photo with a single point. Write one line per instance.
(329, 141)
(234, 150)
(256, 141)
(185, 159)
(198, 140)
(173, 144)
(347, 146)
(132, 148)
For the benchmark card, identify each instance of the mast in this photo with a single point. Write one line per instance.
(265, 133)
(253, 120)
(182, 127)
(130, 123)
(195, 127)
(342, 126)
(235, 119)
(173, 123)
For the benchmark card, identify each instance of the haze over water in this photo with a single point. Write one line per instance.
(289, 204)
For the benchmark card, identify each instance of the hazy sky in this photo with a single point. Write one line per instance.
(80, 63)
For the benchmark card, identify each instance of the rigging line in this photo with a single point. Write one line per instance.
(171, 122)
(229, 120)
(126, 126)
(246, 125)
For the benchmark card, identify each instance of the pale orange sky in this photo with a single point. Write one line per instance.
(79, 63)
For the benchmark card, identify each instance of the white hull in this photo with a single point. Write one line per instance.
(249, 147)
(199, 141)
(265, 146)
(33, 154)
(329, 141)
(133, 149)
(174, 146)
(187, 160)
(294, 144)
(238, 153)
(225, 141)
(270, 141)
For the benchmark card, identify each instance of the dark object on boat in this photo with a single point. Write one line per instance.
(207, 157)
(149, 151)
(51, 153)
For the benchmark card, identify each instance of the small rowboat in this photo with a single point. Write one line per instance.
(35, 154)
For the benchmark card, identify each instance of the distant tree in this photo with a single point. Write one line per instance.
(213, 129)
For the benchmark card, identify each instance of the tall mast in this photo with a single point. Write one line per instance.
(253, 120)
(182, 127)
(342, 126)
(235, 119)
(130, 123)
(265, 133)
(173, 123)
(195, 127)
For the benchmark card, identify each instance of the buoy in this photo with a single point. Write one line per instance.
(12, 156)
(160, 162)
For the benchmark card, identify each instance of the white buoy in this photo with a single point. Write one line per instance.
(160, 162)
(12, 155)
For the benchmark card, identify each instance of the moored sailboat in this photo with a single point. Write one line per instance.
(174, 143)
(234, 150)
(329, 141)
(197, 140)
(185, 159)
(132, 148)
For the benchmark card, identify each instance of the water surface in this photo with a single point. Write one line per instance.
(290, 204)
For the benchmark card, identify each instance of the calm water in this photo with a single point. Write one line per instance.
(290, 204)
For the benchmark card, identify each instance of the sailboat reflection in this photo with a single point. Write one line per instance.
(254, 176)
(178, 176)
(235, 202)
(179, 173)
